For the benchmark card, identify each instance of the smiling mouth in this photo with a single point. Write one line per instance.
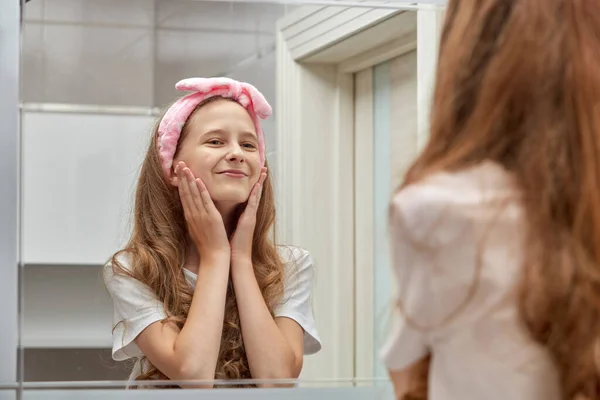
(233, 174)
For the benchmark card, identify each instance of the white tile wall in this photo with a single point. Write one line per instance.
(181, 55)
(220, 16)
(34, 10)
(32, 63)
(130, 12)
(87, 65)
(108, 52)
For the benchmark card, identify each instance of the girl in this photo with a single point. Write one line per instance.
(496, 229)
(201, 291)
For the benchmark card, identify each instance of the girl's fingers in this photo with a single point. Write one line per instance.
(207, 202)
(194, 191)
(261, 181)
(263, 176)
(257, 192)
(184, 193)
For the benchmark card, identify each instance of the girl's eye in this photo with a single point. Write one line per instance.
(215, 142)
(249, 145)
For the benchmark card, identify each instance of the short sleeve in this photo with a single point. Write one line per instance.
(296, 303)
(408, 341)
(135, 307)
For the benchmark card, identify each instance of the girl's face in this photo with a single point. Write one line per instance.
(221, 148)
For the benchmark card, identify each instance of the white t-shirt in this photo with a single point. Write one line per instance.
(136, 306)
(442, 228)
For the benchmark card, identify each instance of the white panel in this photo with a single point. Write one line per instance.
(79, 174)
(9, 187)
(363, 220)
(398, 28)
(303, 24)
(65, 307)
(334, 29)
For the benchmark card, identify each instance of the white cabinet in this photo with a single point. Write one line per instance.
(78, 180)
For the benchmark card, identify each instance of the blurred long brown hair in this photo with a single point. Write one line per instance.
(518, 83)
(157, 251)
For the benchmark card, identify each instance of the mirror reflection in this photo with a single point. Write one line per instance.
(205, 187)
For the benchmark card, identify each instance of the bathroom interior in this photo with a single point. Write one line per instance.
(349, 83)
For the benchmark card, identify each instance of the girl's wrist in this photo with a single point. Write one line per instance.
(216, 257)
(241, 270)
(241, 261)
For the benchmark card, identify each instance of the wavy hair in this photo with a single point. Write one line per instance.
(157, 250)
(518, 83)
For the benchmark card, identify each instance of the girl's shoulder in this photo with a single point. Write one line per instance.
(445, 201)
(298, 264)
(475, 185)
(117, 265)
(294, 255)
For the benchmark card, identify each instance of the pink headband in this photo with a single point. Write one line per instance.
(172, 123)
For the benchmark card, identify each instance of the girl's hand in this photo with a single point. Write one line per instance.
(204, 222)
(241, 242)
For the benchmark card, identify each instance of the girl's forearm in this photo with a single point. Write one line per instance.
(269, 354)
(198, 343)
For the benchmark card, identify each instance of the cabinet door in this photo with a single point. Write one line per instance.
(78, 180)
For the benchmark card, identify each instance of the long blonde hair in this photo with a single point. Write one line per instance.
(518, 83)
(157, 246)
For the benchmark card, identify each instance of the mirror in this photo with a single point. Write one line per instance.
(343, 82)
